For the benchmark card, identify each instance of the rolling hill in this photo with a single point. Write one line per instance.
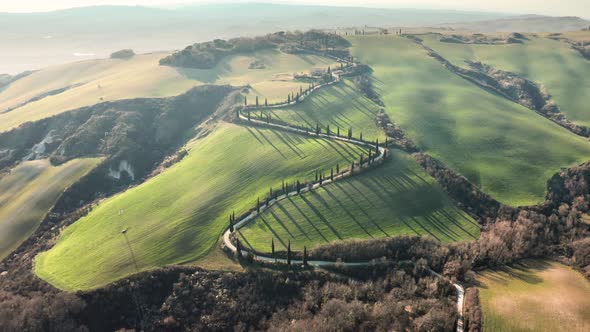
(561, 70)
(28, 193)
(90, 82)
(179, 215)
(397, 198)
(339, 106)
(507, 150)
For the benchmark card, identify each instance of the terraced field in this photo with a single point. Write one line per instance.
(535, 296)
(397, 198)
(28, 193)
(562, 70)
(95, 81)
(339, 106)
(179, 215)
(504, 148)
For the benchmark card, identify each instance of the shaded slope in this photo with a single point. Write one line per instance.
(504, 148)
(395, 199)
(29, 192)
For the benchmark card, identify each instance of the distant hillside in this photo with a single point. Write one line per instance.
(526, 23)
(40, 39)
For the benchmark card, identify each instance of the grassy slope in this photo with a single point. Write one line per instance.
(508, 150)
(340, 105)
(398, 198)
(142, 76)
(562, 70)
(29, 192)
(535, 296)
(179, 215)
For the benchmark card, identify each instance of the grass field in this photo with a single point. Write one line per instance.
(340, 105)
(535, 296)
(178, 216)
(96, 81)
(29, 192)
(507, 150)
(398, 198)
(562, 70)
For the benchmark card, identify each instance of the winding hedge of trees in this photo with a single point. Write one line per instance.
(207, 55)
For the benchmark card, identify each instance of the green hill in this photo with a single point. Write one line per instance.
(339, 106)
(398, 198)
(179, 215)
(559, 68)
(27, 194)
(507, 150)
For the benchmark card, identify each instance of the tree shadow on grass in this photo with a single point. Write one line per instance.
(320, 216)
(293, 221)
(270, 143)
(308, 220)
(345, 209)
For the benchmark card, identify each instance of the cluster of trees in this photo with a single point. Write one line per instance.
(365, 85)
(123, 54)
(207, 55)
(378, 299)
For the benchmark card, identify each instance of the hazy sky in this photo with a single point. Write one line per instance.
(548, 7)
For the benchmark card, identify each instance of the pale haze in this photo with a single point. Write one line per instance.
(549, 7)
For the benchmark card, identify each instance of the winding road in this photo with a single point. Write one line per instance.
(382, 154)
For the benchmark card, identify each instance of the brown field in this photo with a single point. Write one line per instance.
(535, 296)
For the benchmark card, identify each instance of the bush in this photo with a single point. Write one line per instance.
(123, 54)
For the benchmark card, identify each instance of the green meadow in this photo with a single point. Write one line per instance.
(29, 192)
(560, 69)
(339, 106)
(507, 150)
(397, 198)
(178, 216)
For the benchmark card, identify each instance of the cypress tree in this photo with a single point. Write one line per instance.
(266, 102)
(298, 186)
(361, 137)
(238, 248)
(376, 146)
(248, 115)
(231, 225)
(349, 133)
(300, 90)
(245, 101)
(258, 204)
(233, 215)
(338, 131)
(329, 70)
(256, 101)
(317, 129)
(268, 118)
(289, 99)
(351, 167)
(361, 164)
(237, 113)
(266, 201)
(270, 192)
(341, 66)
(304, 256)
(328, 130)
(272, 247)
(283, 186)
(316, 175)
(332, 174)
(337, 168)
(321, 178)
(289, 253)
